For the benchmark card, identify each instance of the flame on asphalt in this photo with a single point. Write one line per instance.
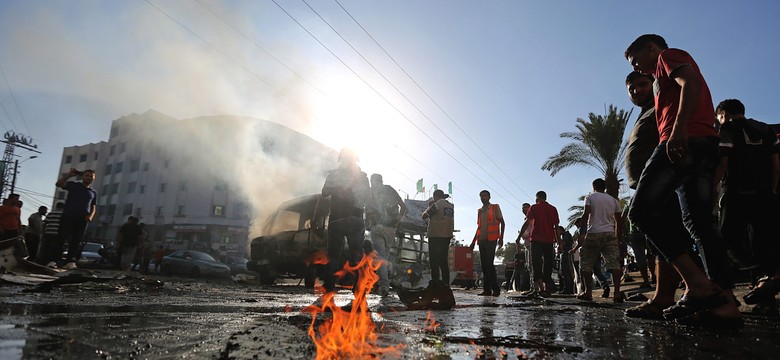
(349, 334)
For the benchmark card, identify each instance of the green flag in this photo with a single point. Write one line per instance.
(449, 188)
(420, 187)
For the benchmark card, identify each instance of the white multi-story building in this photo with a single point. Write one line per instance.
(192, 182)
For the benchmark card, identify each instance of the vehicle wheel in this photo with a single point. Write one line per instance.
(195, 272)
(266, 276)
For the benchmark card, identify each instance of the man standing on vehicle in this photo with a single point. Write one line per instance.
(384, 215)
(348, 189)
(80, 207)
(490, 232)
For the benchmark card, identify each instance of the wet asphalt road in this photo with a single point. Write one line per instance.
(144, 318)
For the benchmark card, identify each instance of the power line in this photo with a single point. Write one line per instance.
(213, 47)
(260, 47)
(431, 98)
(19, 109)
(382, 96)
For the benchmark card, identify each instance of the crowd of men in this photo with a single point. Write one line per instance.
(705, 179)
(683, 154)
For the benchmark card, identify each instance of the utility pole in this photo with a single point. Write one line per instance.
(12, 141)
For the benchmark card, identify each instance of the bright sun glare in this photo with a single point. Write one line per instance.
(354, 116)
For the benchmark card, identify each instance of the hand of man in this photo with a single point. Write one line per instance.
(677, 145)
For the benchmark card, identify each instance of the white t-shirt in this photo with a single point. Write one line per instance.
(602, 212)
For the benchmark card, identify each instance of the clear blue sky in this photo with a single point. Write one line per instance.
(512, 75)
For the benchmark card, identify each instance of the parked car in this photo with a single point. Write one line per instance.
(89, 254)
(237, 265)
(193, 263)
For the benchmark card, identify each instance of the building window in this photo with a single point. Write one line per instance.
(108, 170)
(142, 189)
(111, 210)
(96, 156)
(218, 210)
(104, 189)
(146, 166)
(180, 210)
(122, 147)
(159, 211)
(61, 195)
(131, 187)
(138, 212)
(114, 188)
(68, 159)
(118, 168)
(114, 132)
(83, 158)
(167, 162)
(183, 186)
(134, 165)
(101, 209)
(127, 210)
(221, 185)
(162, 187)
(113, 150)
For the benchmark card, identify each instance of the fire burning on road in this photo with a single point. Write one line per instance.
(349, 334)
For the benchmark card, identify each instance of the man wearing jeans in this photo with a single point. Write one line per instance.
(347, 187)
(542, 219)
(384, 215)
(683, 165)
(78, 212)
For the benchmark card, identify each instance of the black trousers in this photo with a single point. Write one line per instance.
(487, 252)
(438, 251)
(542, 259)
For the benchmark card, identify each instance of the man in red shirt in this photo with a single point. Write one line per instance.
(542, 218)
(683, 164)
(10, 218)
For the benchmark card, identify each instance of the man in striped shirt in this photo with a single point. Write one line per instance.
(50, 249)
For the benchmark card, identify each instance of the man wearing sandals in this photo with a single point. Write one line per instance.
(602, 218)
(683, 164)
(641, 142)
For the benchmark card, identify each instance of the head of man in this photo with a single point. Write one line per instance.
(348, 158)
(599, 185)
(484, 196)
(13, 199)
(376, 180)
(541, 196)
(88, 177)
(729, 109)
(643, 53)
(439, 195)
(640, 89)
(43, 210)
(525, 208)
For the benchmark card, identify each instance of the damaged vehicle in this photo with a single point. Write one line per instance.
(295, 242)
(293, 237)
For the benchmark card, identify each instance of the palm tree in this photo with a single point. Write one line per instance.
(598, 143)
